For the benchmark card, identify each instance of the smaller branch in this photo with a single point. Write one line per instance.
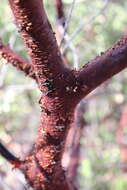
(80, 123)
(9, 156)
(18, 62)
(103, 67)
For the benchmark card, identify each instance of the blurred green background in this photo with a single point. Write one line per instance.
(101, 167)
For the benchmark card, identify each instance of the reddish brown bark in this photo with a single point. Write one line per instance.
(43, 167)
(104, 67)
(61, 89)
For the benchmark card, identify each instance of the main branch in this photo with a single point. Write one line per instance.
(40, 39)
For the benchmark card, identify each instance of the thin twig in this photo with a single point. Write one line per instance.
(14, 59)
(61, 23)
(84, 25)
(67, 21)
(9, 156)
(74, 52)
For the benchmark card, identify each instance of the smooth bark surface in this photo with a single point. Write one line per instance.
(105, 66)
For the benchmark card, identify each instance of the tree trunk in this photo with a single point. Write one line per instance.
(43, 167)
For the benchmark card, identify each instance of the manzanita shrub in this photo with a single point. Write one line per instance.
(61, 90)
